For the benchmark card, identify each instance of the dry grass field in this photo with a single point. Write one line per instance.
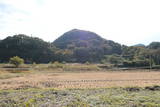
(92, 79)
(78, 85)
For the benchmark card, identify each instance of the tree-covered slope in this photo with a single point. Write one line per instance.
(30, 48)
(78, 38)
(154, 45)
(86, 45)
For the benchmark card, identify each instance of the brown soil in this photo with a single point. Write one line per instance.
(82, 80)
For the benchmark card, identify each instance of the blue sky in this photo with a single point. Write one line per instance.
(128, 22)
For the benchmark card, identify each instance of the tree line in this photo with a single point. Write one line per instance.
(93, 50)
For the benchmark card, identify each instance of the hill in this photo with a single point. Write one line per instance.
(139, 45)
(154, 45)
(30, 48)
(86, 45)
(76, 37)
(82, 38)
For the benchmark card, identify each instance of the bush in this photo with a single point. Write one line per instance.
(87, 63)
(81, 67)
(63, 62)
(136, 63)
(58, 65)
(16, 61)
(112, 59)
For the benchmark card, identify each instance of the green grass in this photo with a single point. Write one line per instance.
(106, 97)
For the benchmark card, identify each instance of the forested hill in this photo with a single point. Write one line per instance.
(30, 48)
(81, 38)
(86, 45)
(139, 45)
(78, 46)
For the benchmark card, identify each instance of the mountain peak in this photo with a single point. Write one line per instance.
(82, 33)
(139, 45)
(75, 36)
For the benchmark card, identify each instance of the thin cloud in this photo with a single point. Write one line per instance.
(124, 21)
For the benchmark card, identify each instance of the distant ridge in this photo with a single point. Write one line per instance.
(139, 45)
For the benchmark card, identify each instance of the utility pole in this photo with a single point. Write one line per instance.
(150, 58)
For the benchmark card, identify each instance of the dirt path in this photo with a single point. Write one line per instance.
(82, 80)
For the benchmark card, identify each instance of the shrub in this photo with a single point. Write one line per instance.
(136, 63)
(112, 59)
(16, 61)
(34, 64)
(81, 67)
(58, 65)
(63, 62)
(87, 63)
